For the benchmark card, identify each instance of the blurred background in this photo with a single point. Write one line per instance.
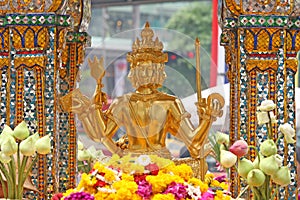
(114, 26)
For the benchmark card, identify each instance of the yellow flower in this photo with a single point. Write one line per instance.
(219, 194)
(109, 175)
(127, 177)
(203, 187)
(214, 183)
(99, 167)
(164, 197)
(195, 182)
(136, 197)
(227, 197)
(104, 196)
(161, 181)
(208, 178)
(87, 182)
(184, 171)
(224, 186)
(125, 190)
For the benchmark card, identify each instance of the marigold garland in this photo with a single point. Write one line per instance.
(145, 178)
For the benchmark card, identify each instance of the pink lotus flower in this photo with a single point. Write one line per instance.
(239, 148)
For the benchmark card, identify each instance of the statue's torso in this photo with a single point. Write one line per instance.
(146, 118)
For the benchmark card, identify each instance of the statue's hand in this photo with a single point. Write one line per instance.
(212, 108)
(97, 69)
(75, 102)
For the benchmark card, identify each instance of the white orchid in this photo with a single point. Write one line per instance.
(267, 105)
(273, 117)
(288, 132)
(143, 160)
(262, 118)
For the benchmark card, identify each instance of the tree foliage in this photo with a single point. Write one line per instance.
(193, 21)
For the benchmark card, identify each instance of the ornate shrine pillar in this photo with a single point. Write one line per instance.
(33, 37)
(72, 56)
(261, 41)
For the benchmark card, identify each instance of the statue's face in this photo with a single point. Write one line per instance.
(147, 74)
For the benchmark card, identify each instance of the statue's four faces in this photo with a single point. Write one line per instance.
(147, 74)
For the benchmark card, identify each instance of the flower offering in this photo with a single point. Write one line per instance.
(147, 177)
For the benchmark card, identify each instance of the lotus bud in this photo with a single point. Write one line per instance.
(268, 148)
(4, 158)
(244, 167)
(273, 117)
(222, 138)
(278, 159)
(222, 147)
(282, 177)
(21, 131)
(35, 137)
(43, 145)
(9, 146)
(262, 118)
(239, 148)
(256, 178)
(26, 146)
(267, 105)
(80, 145)
(257, 161)
(83, 155)
(269, 165)
(7, 131)
(288, 132)
(227, 159)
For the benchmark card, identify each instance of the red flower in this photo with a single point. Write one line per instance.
(99, 184)
(153, 168)
(139, 178)
(57, 196)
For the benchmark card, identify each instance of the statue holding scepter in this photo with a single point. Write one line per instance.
(147, 114)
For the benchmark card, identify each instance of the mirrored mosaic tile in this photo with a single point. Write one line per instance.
(243, 93)
(262, 94)
(257, 6)
(29, 100)
(3, 94)
(50, 108)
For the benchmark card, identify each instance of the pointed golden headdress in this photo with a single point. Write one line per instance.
(147, 49)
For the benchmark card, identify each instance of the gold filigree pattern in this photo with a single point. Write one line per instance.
(29, 6)
(147, 49)
(261, 64)
(31, 62)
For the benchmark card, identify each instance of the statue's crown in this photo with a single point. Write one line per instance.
(147, 49)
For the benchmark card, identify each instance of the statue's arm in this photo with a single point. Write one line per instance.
(96, 125)
(194, 138)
